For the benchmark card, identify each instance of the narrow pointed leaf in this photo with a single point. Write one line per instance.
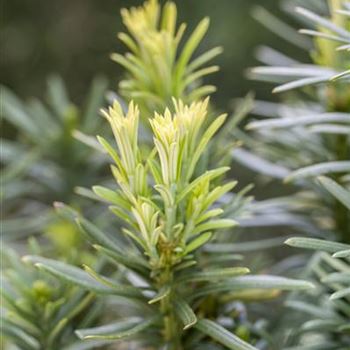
(163, 293)
(119, 289)
(208, 175)
(340, 294)
(118, 330)
(190, 47)
(319, 169)
(209, 133)
(15, 113)
(198, 242)
(127, 259)
(337, 191)
(323, 22)
(299, 121)
(316, 244)
(253, 282)
(342, 254)
(58, 95)
(68, 273)
(185, 313)
(222, 335)
(96, 236)
(302, 83)
(214, 274)
(96, 95)
(337, 277)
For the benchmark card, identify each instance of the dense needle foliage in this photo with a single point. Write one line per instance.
(152, 256)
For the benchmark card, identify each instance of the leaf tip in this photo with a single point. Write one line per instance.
(79, 335)
(58, 205)
(26, 259)
(190, 325)
(334, 296)
(249, 126)
(288, 179)
(309, 285)
(290, 242)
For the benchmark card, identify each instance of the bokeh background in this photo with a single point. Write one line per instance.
(75, 37)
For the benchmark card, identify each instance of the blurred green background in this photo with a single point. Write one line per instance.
(75, 37)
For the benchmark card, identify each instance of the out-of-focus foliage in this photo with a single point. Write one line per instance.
(46, 161)
(327, 307)
(305, 140)
(307, 134)
(40, 312)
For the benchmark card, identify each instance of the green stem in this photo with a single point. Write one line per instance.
(339, 101)
(171, 331)
(342, 216)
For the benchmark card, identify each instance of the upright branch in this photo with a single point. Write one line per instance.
(159, 67)
(173, 217)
